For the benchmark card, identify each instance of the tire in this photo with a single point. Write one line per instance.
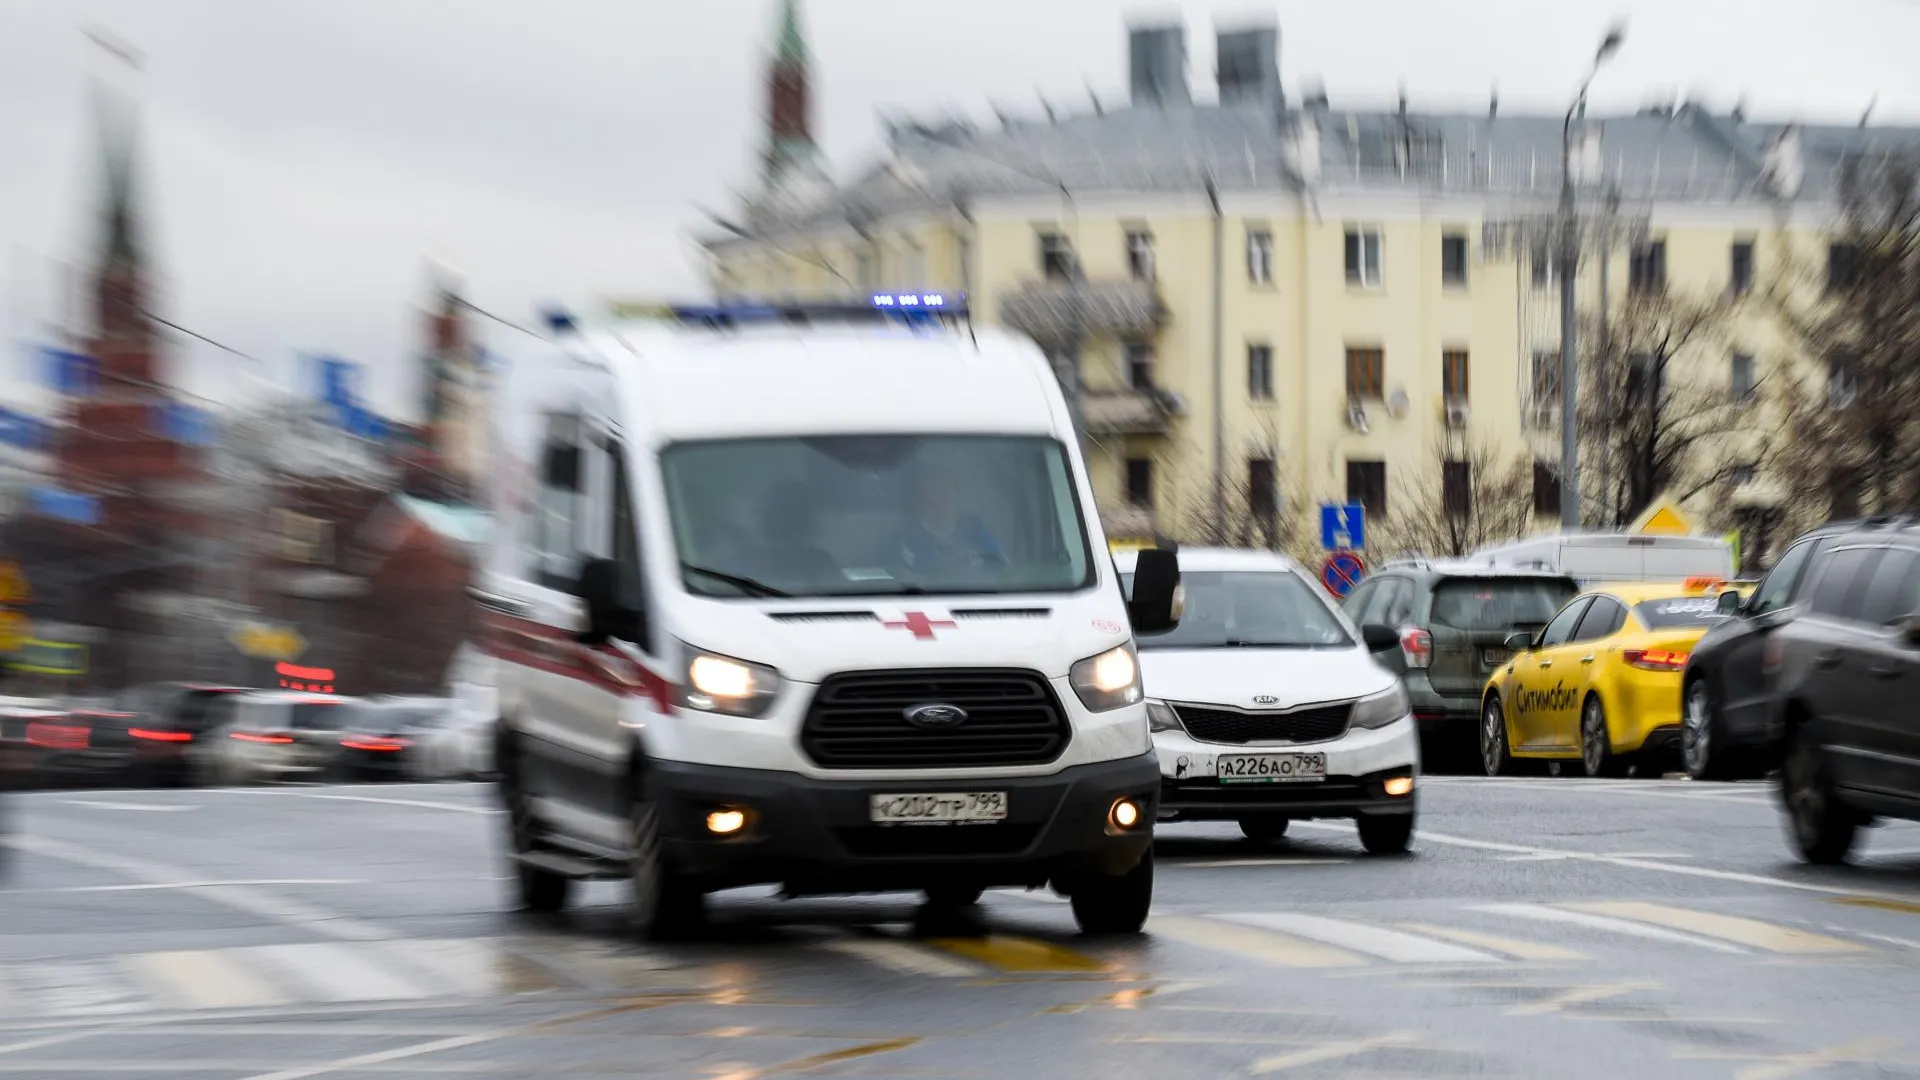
(1823, 828)
(1703, 750)
(1495, 756)
(1114, 905)
(954, 896)
(665, 906)
(1596, 745)
(536, 889)
(1265, 828)
(1383, 834)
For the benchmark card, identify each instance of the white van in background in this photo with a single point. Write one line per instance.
(1595, 558)
(813, 596)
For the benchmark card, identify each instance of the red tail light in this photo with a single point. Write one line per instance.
(160, 736)
(58, 736)
(1655, 659)
(277, 740)
(1416, 645)
(385, 745)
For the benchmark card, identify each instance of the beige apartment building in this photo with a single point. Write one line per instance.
(1263, 304)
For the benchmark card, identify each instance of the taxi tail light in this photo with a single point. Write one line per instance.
(1416, 645)
(385, 745)
(254, 737)
(152, 735)
(1655, 659)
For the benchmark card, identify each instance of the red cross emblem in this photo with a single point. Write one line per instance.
(918, 623)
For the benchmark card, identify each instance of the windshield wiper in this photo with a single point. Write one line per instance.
(744, 584)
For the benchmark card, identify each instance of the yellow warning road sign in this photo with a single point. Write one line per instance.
(268, 642)
(1663, 519)
(13, 584)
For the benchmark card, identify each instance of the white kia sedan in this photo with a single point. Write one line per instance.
(1267, 706)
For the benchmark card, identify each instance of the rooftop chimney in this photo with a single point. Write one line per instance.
(1247, 67)
(1157, 59)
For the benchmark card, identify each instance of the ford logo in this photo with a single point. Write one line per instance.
(936, 716)
(1265, 699)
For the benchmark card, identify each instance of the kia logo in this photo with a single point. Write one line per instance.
(936, 716)
(1265, 699)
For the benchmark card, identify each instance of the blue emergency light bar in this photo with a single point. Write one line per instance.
(911, 308)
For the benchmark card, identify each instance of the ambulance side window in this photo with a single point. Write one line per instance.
(623, 543)
(556, 522)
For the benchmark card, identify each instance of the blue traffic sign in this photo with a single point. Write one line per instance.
(1341, 572)
(1343, 526)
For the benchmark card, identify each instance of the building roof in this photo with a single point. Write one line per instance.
(1686, 154)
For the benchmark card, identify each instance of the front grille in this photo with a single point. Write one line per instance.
(1315, 724)
(858, 720)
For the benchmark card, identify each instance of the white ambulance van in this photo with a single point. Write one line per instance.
(816, 597)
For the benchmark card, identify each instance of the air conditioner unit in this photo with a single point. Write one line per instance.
(1544, 414)
(1357, 415)
(1457, 412)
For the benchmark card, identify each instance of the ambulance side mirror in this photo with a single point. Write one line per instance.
(610, 614)
(1158, 598)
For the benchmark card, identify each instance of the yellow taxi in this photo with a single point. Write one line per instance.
(1600, 684)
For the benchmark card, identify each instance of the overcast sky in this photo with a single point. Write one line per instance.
(301, 161)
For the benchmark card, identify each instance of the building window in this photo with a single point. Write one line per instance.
(1367, 373)
(1740, 276)
(1363, 258)
(1744, 379)
(1138, 359)
(1140, 254)
(1843, 494)
(1056, 257)
(1453, 260)
(1367, 485)
(1546, 376)
(1647, 267)
(1259, 257)
(1140, 482)
(1644, 377)
(1546, 489)
(1263, 496)
(1843, 267)
(1260, 372)
(1453, 374)
(1456, 486)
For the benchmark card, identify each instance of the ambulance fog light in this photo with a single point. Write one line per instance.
(726, 822)
(1399, 786)
(1125, 815)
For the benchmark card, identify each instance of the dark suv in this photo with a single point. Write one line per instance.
(1730, 732)
(1846, 671)
(1453, 620)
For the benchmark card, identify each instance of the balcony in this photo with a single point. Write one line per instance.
(1128, 412)
(1055, 312)
(1127, 522)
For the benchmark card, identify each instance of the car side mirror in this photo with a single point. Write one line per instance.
(610, 612)
(1379, 638)
(1909, 627)
(1731, 603)
(1519, 641)
(1158, 598)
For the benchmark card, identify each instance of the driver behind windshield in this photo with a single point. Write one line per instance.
(941, 539)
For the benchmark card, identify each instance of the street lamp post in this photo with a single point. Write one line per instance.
(1569, 258)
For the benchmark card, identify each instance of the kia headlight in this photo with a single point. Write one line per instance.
(725, 684)
(1379, 710)
(1107, 681)
(1161, 717)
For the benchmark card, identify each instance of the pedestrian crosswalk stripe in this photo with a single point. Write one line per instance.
(901, 957)
(1391, 945)
(1544, 913)
(203, 979)
(473, 968)
(1276, 949)
(1740, 931)
(1020, 955)
(1525, 950)
(335, 972)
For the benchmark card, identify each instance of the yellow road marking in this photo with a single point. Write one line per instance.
(1333, 1052)
(1262, 945)
(819, 1061)
(1741, 931)
(1784, 1066)
(901, 956)
(204, 979)
(1525, 950)
(1019, 954)
(1904, 907)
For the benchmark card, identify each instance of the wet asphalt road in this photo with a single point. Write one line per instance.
(1543, 928)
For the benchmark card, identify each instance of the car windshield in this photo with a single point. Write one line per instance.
(1271, 609)
(1678, 612)
(875, 515)
(1483, 604)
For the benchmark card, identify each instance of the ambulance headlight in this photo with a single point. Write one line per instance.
(1107, 681)
(724, 684)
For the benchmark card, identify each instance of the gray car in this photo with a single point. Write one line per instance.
(1452, 621)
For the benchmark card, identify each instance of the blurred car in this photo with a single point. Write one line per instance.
(1266, 707)
(380, 737)
(277, 735)
(1601, 683)
(1449, 623)
(166, 721)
